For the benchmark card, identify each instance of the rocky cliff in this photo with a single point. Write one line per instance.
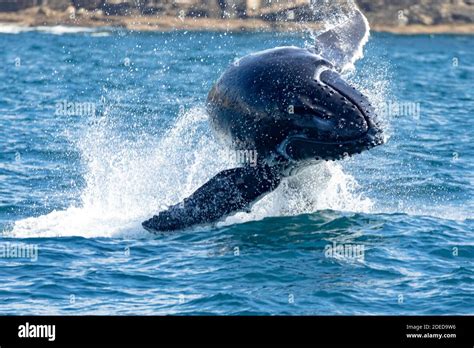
(425, 12)
(381, 13)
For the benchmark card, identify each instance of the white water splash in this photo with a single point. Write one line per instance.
(127, 182)
(324, 186)
(6, 28)
(344, 34)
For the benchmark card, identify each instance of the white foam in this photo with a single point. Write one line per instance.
(62, 29)
(6, 28)
(13, 28)
(101, 34)
(324, 186)
(127, 182)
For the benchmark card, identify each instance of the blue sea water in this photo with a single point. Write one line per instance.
(76, 182)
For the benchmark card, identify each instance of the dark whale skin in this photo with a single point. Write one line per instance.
(265, 98)
(291, 107)
(249, 106)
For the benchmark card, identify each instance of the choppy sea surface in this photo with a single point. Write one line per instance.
(100, 129)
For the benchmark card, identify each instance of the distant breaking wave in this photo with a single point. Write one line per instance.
(54, 30)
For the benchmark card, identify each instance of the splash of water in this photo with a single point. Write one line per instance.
(344, 33)
(324, 186)
(128, 181)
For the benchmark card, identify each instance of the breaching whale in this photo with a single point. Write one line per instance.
(293, 107)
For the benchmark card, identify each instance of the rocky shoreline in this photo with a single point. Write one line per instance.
(44, 16)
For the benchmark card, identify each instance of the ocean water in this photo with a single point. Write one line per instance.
(100, 129)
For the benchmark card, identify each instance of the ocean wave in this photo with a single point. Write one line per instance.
(54, 30)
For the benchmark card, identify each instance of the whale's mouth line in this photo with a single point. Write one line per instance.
(369, 139)
(299, 147)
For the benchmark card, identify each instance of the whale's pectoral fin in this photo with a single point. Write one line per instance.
(228, 192)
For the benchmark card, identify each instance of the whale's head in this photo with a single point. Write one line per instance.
(331, 120)
(290, 103)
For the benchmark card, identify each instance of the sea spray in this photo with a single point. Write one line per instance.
(128, 181)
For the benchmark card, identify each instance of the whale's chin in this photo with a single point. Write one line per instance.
(302, 148)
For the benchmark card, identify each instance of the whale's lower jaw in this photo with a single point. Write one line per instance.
(302, 148)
